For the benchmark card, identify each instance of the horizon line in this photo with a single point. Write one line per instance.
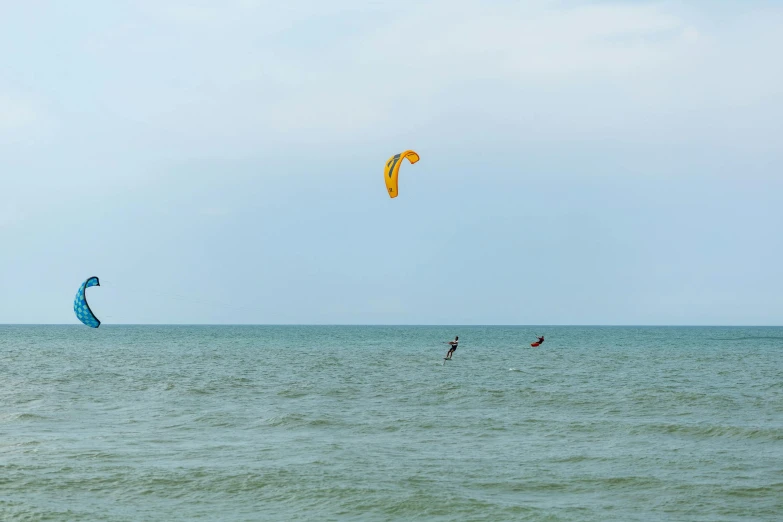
(409, 324)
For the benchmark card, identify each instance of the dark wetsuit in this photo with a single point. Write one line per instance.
(540, 340)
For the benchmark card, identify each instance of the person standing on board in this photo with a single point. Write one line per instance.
(541, 340)
(453, 348)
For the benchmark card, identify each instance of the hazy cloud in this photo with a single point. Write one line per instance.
(582, 161)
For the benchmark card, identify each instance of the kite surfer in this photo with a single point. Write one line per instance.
(538, 343)
(453, 348)
(541, 340)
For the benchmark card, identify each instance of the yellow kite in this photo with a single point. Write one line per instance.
(393, 169)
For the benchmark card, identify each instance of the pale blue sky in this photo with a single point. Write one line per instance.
(221, 162)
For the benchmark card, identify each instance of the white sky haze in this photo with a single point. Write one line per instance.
(582, 162)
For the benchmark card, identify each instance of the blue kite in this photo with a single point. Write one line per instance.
(80, 306)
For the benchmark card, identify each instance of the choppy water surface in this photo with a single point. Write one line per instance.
(366, 423)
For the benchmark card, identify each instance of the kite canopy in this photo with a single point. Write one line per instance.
(80, 306)
(392, 170)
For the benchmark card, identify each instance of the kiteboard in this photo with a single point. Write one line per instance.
(534, 345)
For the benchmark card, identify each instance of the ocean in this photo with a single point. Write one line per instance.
(367, 423)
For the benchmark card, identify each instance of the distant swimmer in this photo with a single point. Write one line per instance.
(538, 343)
(453, 348)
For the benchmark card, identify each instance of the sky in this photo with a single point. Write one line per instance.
(582, 162)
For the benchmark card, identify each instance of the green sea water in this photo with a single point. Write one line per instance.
(244, 423)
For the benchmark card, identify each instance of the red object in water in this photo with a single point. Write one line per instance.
(535, 344)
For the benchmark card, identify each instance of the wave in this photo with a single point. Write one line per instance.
(21, 416)
(299, 420)
(712, 431)
(759, 338)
